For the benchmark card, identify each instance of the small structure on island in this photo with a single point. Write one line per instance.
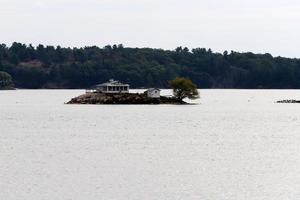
(112, 87)
(153, 93)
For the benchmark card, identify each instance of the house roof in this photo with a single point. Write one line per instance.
(152, 89)
(112, 82)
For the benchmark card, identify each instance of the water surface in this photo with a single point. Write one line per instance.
(233, 144)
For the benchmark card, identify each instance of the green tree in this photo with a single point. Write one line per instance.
(5, 81)
(184, 88)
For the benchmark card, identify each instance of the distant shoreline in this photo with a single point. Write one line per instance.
(55, 67)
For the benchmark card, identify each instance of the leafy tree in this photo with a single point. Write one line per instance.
(5, 81)
(184, 88)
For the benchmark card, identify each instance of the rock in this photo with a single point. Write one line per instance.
(289, 101)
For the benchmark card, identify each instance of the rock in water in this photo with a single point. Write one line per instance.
(288, 101)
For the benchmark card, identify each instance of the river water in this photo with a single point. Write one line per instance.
(232, 144)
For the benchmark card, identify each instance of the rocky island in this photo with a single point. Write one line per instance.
(289, 101)
(115, 92)
(122, 98)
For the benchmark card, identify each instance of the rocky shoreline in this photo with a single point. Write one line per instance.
(7, 88)
(122, 98)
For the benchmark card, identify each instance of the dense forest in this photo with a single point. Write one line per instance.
(57, 67)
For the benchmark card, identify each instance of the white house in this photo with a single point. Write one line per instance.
(112, 86)
(153, 93)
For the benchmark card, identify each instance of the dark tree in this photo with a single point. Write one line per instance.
(184, 88)
(5, 81)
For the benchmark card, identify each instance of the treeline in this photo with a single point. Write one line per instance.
(57, 67)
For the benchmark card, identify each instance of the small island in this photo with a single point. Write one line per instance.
(114, 92)
(289, 101)
(122, 98)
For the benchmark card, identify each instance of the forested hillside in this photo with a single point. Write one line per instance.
(56, 67)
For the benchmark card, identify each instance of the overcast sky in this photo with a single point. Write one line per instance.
(242, 25)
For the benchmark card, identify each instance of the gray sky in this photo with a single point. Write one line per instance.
(254, 25)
